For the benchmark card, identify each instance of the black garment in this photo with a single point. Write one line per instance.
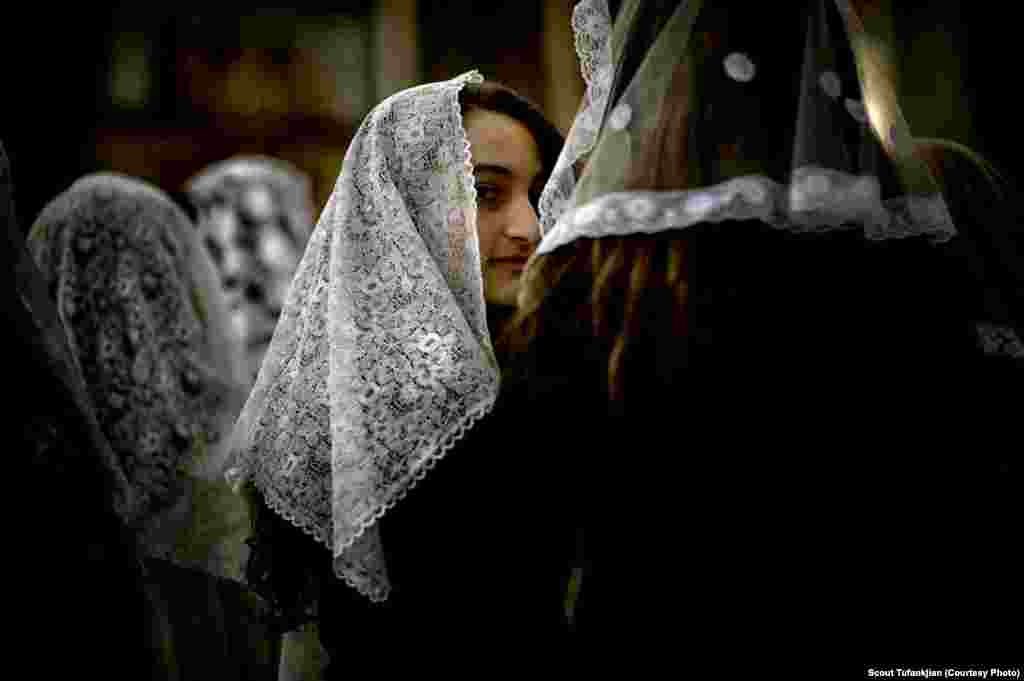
(214, 627)
(481, 549)
(77, 563)
(478, 553)
(813, 475)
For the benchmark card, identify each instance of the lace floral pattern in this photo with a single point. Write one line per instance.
(816, 200)
(1000, 340)
(592, 25)
(255, 216)
(382, 358)
(118, 261)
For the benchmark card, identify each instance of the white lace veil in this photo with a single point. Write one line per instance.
(790, 118)
(229, 183)
(381, 359)
(255, 214)
(143, 315)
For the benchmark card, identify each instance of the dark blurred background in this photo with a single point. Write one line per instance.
(160, 90)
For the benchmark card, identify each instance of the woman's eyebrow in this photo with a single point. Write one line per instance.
(492, 168)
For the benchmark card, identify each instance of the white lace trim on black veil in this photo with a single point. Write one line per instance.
(814, 196)
(817, 200)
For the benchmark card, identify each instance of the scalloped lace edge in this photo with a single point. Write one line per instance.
(561, 183)
(567, 230)
(578, 33)
(430, 459)
(446, 443)
(467, 156)
(468, 181)
(593, 109)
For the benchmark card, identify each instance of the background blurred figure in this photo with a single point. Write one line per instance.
(74, 554)
(144, 321)
(255, 215)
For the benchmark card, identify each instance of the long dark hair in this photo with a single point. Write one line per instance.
(989, 246)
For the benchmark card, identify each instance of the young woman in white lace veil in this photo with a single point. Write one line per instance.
(382, 362)
(146, 324)
(745, 317)
(255, 215)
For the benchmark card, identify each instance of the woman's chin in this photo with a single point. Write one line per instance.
(507, 296)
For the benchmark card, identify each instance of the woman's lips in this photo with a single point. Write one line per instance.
(515, 264)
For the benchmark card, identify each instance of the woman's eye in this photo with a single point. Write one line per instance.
(486, 193)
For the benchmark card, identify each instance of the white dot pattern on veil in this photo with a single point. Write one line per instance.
(740, 67)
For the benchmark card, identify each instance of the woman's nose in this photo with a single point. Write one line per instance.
(524, 224)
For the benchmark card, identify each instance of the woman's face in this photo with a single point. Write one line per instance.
(508, 174)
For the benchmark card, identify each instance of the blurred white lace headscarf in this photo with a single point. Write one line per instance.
(145, 322)
(255, 214)
(381, 359)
